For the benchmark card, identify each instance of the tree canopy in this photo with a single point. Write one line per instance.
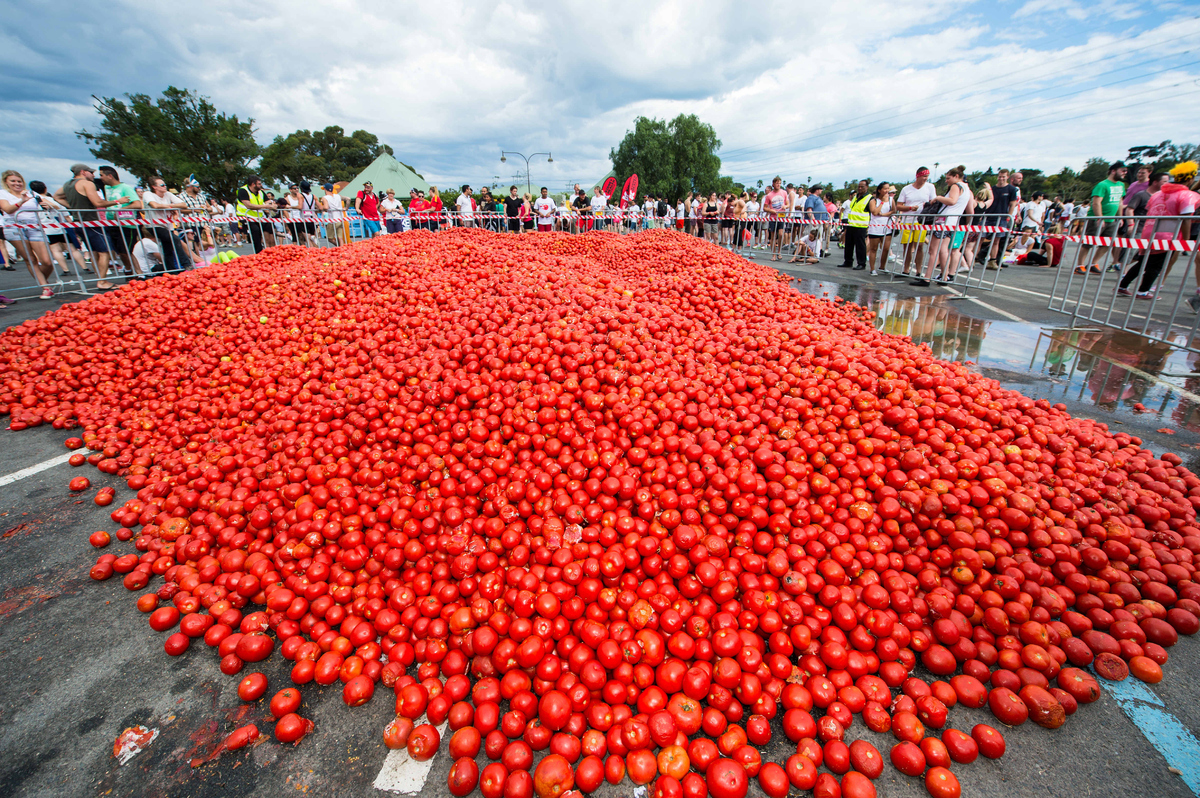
(671, 158)
(178, 135)
(320, 155)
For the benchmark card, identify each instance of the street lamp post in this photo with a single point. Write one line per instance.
(528, 182)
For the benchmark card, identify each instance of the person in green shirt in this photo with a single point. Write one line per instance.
(1107, 198)
(121, 240)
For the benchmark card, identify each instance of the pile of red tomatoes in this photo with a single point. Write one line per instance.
(619, 506)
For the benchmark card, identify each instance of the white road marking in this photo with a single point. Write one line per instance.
(16, 476)
(401, 773)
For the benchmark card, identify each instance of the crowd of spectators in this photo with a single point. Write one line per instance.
(165, 230)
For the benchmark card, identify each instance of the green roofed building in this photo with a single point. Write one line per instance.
(384, 173)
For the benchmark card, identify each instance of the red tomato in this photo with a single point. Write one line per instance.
(252, 687)
(941, 783)
(358, 691)
(395, 734)
(241, 737)
(463, 776)
(553, 777)
(589, 774)
(908, 758)
(865, 758)
(726, 779)
(423, 742)
(492, 780)
(961, 747)
(773, 780)
(285, 702)
(291, 728)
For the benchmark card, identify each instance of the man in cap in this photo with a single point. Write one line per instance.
(912, 198)
(252, 207)
(81, 196)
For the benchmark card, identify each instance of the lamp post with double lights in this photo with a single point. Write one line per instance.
(528, 182)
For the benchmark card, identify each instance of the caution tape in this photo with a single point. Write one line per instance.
(1141, 244)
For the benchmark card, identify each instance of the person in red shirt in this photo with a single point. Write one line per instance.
(434, 209)
(416, 210)
(368, 206)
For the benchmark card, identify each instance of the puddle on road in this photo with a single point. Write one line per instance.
(1119, 373)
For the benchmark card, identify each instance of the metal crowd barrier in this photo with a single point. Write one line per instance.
(913, 250)
(1123, 272)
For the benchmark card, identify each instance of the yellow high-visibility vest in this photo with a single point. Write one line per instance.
(859, 217)
(257, 199)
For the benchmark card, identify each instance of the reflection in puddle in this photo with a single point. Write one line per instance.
(1117, 372)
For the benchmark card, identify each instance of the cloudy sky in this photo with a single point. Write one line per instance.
(828, 90)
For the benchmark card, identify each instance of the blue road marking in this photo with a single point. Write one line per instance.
(1164, 731)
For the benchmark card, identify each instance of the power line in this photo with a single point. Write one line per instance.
(758, 164)
(1041, 67)
(991, 130)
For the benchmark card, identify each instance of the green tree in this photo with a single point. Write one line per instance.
(178, 135)
(1095, 170)
(320, 155)
(670, 158)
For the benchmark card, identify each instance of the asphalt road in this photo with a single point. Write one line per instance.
(80, 664)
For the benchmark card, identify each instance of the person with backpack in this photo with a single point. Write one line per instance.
(954, 205)
(368, 207)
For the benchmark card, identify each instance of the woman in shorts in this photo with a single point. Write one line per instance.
(711, 211)
(879, 231)
(56, 236)
(526, 215)
(21, 207)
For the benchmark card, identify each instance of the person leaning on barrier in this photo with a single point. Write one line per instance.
(911, 199)
(82, 198)
(252, 208)
(56, 235)
(121, 239)
(198, 235)
(393, 212)
(162, 206)
(367, 205)
(331, 205)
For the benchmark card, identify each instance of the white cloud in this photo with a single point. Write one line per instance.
(810, 88)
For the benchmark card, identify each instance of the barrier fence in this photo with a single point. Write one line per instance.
(1135, 274)
(77, 249)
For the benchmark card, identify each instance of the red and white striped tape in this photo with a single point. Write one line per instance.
(1141, 244)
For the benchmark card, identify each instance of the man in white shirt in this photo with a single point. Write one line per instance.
(599, 203)
(1034, 219)
(466, 207)
(544, 209)
(1068, 209)
(148, 255)
(911, 198)
(331, 205)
